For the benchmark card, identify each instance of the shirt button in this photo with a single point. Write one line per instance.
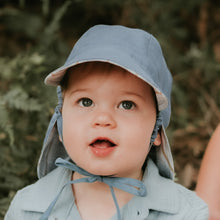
(138, 213)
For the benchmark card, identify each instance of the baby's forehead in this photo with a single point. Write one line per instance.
(96, 73)
(101, 71)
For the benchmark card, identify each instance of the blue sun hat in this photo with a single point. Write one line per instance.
(134, 50)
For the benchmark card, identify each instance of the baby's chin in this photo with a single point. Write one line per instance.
(99, 172)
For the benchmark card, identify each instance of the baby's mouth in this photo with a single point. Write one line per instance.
(102, 147)
(102, 143)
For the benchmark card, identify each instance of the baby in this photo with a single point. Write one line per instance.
(106, 153)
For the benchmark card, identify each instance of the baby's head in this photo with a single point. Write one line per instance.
(116, 87)
(108, 119)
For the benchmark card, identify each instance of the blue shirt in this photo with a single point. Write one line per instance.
(165, 200)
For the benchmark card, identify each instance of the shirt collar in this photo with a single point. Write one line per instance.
(161, 195)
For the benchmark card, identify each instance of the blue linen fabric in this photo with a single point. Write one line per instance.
(165, 200)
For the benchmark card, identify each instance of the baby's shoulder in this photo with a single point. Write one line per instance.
(169, 200)
(190, 204)
(46, 185)
(37, 196)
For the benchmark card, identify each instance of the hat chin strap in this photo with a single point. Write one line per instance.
(59, 115)
(129, 185)
(157, 127)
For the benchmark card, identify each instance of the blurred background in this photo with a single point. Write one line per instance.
(36, 37)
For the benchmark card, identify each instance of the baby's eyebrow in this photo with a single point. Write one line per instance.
(135, 94)
(79, 91)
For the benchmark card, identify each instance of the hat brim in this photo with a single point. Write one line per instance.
(55, 77)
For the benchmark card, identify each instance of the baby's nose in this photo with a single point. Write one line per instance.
(104, 119)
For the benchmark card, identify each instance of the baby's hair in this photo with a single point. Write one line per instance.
(105, 66)
(88, 65)
(64, 80)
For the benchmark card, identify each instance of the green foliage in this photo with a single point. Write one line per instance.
(26, 104)
(36, 37)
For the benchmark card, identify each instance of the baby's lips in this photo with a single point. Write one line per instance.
(102, 147)
(102, 143)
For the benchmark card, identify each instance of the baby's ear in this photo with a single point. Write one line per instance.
(60, 139)
(157, 140)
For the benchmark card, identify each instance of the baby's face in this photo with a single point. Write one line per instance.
(108, 118)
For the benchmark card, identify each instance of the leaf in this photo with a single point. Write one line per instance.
(18, 99)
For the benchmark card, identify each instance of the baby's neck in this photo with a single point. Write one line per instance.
(94, 200)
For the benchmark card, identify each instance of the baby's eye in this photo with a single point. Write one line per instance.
(85, 102)
(127, 105)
